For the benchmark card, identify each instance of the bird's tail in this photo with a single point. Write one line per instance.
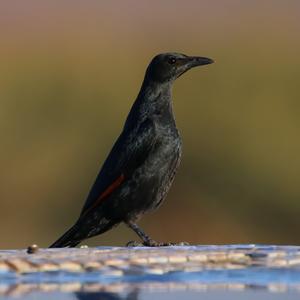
(69, 239)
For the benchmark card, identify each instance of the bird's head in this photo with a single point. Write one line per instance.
(167, 67)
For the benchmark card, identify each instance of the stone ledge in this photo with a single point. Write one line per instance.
(122, 261)
(115, 270)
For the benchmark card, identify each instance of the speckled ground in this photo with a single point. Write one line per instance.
(94, 273)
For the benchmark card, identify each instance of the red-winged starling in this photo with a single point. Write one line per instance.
(140, 168)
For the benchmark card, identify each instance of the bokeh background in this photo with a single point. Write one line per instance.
(69, 73)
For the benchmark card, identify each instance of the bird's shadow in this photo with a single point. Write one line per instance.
(132, 295)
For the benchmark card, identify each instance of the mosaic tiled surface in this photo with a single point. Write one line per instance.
(121, 269)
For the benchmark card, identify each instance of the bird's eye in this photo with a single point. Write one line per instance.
(172, 60)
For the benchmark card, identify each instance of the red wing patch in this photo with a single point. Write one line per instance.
(111, 188)
(106, 193)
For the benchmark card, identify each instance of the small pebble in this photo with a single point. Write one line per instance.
(32, 249)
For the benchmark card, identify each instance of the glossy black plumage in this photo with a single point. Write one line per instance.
(141, 166)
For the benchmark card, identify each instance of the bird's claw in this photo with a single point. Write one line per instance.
(181, 244)
(153, 243)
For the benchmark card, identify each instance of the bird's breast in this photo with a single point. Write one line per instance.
(166, 149)
(153, 179)
(150, 182)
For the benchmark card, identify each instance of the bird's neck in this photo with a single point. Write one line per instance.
(154, 101)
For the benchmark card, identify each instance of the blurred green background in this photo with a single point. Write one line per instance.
(70, 71)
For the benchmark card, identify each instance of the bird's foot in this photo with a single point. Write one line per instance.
(153, 243)
(149, 243)
(181, 244)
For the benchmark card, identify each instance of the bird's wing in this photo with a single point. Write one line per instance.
(129, 152)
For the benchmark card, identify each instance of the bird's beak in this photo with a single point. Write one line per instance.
(195, 61)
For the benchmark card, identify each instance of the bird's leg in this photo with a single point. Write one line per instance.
(147, 241)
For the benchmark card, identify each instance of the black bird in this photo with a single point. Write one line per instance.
(141, 166)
